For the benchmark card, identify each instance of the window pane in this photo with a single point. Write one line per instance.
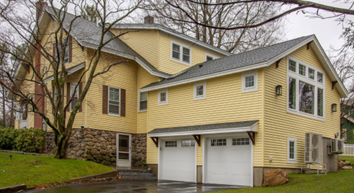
(292, 93)
(302, 70)
(163, 97)
(143, 105)
(143, 96)
(188, 143)
(306, 101)
(249, 81)
(218, 142)
(320, 77)
(186, 54)
(311, 73)
(72, 90)
(240, 141)
(209, 58)
(292, 65)
(320, 102)
(292, 150)
(175, 51)
(113, 108)
(200, 90)
(114, 94)
(170, 143)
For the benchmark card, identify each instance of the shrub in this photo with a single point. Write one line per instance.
(27, 139)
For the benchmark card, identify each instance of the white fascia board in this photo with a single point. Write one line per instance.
(208, 76)
(71, 71)
(201, 132)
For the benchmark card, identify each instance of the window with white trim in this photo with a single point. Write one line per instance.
(163, 97)
(188, 143)
(143, 101)
(291, 150)
(180, 53)
(199, 90)
(170, 143)
(74, 94)
(305, 89)
(250, 81)
(113, 101)
(209, 57)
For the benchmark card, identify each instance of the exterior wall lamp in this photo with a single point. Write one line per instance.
(278, 90)
(334, 107)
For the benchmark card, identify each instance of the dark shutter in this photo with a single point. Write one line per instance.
(105, 99)
(68, 96)
(53, 97)
(70, 48)
(80, 90)
(54, 54)
(122, 101)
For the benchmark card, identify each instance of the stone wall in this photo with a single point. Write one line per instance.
(99, 146)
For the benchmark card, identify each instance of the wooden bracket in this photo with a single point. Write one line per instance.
(333, 84)
(197, 139)
(252, 136)
(277, 63)
(155, 140)
(308, 45)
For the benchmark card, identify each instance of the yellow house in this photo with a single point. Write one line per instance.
(195, 112)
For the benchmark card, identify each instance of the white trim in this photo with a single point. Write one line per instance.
(209, 55)
(109, 90)
(70, 71)
(294, 161)
(254, 128)
(247, 74)
(159, 163)
(296, 75)
(130, 148)
(140, 101)
(180, 60)
(159, 97)
(203, 160)
(251, 176)
(197, 97)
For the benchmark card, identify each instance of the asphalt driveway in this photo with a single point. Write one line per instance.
(137, 187)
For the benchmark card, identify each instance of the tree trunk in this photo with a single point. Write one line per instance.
(3, 107)
(61, 143)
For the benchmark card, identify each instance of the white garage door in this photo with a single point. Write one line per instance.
(177, 160)
(228, 161)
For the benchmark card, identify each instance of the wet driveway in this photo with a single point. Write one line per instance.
(137, 187)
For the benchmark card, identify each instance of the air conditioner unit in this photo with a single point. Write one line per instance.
(313, 148)
(337, 146)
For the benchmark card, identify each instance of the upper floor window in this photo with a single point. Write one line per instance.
(66, 54)
(209, 57)
(74, 94)
(143, 101)
(180, 53)
(163, 97)
(199, 90)
(305, 94)
(250, 81)
(113, 101)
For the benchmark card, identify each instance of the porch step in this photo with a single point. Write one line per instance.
(136, 174)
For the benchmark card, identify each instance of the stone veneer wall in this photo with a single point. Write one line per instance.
(99, 146)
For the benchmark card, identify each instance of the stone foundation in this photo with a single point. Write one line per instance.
(99, 146)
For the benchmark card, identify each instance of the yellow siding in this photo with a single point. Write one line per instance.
(279, 124)
(224, 102)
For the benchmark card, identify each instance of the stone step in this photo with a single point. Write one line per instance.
(136, 174)
(133, 170)
(138, 178)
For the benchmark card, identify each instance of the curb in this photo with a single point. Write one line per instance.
(11, 189)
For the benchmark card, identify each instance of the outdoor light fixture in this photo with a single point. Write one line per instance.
(278, 90)
(334, 107)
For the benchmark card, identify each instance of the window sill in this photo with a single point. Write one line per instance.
(292, 161)
(142, 111)
(250, 89)
(199, 97)
(115, 115)
(162, 104)
(306, 114)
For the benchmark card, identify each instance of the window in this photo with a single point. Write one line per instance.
(66, 54)
(218, 142)
(291, 150)
(240, 141)
(74, 94)
(319, 77)
(180, 53)
(200, 90)
(188, 143)
(113, 101)
(143, 101)
(209, 57)
(170, 143)
(292, 65)
(302, 70)
(163, 97)
(305, 93)
(250, 81)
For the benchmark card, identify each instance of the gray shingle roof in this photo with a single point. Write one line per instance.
(248, 58)
(87, 33)
(205, 127)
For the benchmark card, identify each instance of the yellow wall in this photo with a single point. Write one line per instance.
(279, 124)
(224, 102)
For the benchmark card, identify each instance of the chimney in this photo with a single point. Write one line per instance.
(148, 20)
(39, 7)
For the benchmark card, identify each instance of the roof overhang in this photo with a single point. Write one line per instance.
(71, 70)
(316, 47)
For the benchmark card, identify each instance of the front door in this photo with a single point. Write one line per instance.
(123, 150)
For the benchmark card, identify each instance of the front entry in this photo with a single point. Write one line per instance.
(123, 150)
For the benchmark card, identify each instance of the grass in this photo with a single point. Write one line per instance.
(333, 182)
(35, 170)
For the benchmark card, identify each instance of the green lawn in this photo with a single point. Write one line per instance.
(333, 182)
(43, 170)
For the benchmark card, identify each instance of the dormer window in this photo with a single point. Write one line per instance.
(180, 53)
(209, 57)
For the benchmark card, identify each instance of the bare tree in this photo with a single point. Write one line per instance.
(48, 48)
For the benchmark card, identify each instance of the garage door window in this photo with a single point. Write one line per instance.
(171, 144)
(188, 143)
(240, 141)
(218, 142)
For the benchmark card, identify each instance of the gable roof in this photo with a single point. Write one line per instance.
(173, 33)
(254, 59)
